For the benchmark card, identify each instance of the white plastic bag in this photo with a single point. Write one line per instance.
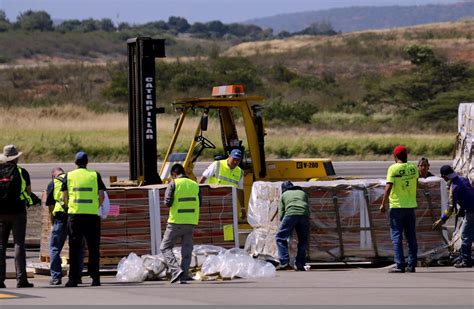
(131, 269)
(104, 209)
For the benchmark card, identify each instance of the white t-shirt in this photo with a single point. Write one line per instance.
(211, 170)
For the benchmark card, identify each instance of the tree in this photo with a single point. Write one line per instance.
(420, 54)
(319, 28)
(88, 25)
(69, 25)
(4, 22)
(31, 20)
(217, 28)
(198, 28)
(124, 26)
(179, 24)
(106, 24)
(283, 34)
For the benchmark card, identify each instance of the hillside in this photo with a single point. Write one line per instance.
(366, 86)
(364, 18)
(406, 79)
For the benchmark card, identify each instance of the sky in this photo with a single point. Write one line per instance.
(142, 11)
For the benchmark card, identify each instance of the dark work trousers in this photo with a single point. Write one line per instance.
(81, 226)
(17, 224)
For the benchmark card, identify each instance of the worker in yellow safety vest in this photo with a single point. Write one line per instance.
(228, 172)
(83, 192)
(59, 231)
(183, 197)
(15, 190)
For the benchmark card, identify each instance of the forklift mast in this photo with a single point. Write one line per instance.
(142, 108)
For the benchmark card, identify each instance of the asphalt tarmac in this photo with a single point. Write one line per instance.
(40, 173)
(433, 286)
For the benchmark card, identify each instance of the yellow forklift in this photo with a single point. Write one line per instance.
(227, 103)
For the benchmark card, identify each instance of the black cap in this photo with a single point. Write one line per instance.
(446, 170)
(286, 185)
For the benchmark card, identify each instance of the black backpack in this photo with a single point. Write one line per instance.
(10, 183)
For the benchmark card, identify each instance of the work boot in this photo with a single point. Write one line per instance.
(24, 284)
(2, 285)
(411, 269)
(462, 265)
(176, 277)
(56, 281)
(284, 266)
(396, 270)
(71, 284)
(95, 282)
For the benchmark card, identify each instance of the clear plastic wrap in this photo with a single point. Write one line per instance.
(131, 269)
(345, 219)
(155, 266)
(462, 162)
(236, 263)
(213, 262)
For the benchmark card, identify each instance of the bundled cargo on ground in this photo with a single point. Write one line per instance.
(346, 223)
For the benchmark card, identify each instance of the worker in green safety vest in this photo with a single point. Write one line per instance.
(227, 172)
(183, 197)
(83, 193)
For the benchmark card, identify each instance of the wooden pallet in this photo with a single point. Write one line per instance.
(104, 260)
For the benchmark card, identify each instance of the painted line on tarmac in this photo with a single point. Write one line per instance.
(15, 295)
(7, 296)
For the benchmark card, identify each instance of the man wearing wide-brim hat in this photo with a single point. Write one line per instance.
(15, 189)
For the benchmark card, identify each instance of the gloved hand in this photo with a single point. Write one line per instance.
(243, 214)
(438, 224)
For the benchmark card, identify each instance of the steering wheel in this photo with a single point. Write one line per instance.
(205, 143)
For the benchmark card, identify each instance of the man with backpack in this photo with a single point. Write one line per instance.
(15, 190)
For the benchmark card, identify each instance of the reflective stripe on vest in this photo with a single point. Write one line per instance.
(223, 175)
(185, 207)
(83, 191)
(57, 194)
(24, 193)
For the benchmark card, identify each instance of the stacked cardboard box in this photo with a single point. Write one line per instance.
(346, 223)
(138, 218)
(216, 213)
(125, 230)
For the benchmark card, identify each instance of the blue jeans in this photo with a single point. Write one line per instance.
(58, 238)
(467, 236)
(403, 220)
(288, 224)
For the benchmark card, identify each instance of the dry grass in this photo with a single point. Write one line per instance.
(460, 46)
(55, 134)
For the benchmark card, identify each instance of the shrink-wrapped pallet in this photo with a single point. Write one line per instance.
(346, 223)
(462, 162)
